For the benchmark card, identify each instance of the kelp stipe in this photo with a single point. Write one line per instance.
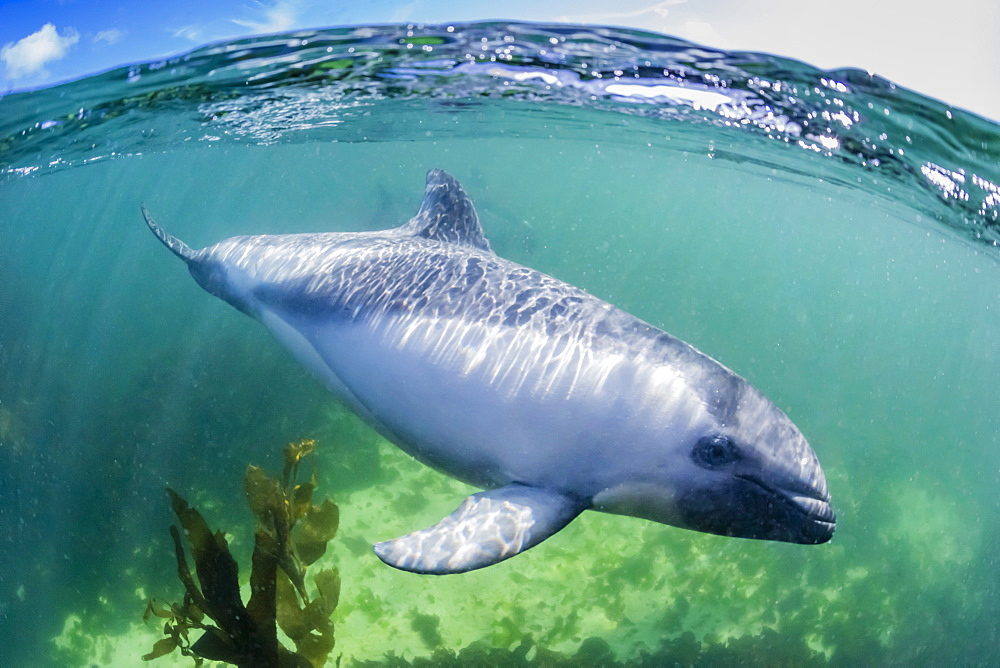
(291, 534)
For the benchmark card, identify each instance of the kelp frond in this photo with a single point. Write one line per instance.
(291, 534)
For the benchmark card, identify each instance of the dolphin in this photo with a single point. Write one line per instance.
(549, 399)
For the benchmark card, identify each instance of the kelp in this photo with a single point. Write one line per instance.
(291, 535)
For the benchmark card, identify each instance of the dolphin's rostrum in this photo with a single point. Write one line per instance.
(548, 398)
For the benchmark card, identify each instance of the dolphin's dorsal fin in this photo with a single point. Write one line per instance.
(447, 214)
(487, 528)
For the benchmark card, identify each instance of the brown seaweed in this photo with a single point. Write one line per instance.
(291, 534)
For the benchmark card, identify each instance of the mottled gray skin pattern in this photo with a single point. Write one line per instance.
(514, 381)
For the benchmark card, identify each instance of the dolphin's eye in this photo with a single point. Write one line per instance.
(714, 451)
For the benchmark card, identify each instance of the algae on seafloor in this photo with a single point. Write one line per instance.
(291, 534)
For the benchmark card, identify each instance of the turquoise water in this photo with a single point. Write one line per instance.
(827, 235)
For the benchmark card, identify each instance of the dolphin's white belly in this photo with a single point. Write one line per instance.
(492, 405)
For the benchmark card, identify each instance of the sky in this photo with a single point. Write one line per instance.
(948, 50)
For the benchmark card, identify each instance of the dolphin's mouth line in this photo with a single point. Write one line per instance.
(816, 510)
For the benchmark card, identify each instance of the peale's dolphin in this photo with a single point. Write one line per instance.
(548, 398)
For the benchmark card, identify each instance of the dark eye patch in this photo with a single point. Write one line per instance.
(715, 451)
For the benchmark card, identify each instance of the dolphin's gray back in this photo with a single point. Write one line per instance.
(379, 280)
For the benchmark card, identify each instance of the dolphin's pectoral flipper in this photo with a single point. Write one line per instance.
(487, 528)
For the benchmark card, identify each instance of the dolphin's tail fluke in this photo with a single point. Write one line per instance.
(177, 247)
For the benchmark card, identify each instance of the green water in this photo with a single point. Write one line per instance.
(860, 303)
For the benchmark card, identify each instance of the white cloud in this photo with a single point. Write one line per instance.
(657, 11)
(271, 17)
(279, 17)
(110, 36)
(190, 32)
(698, 31)
(30, 55)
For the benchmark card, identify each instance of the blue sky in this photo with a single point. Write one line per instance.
(948, 50)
